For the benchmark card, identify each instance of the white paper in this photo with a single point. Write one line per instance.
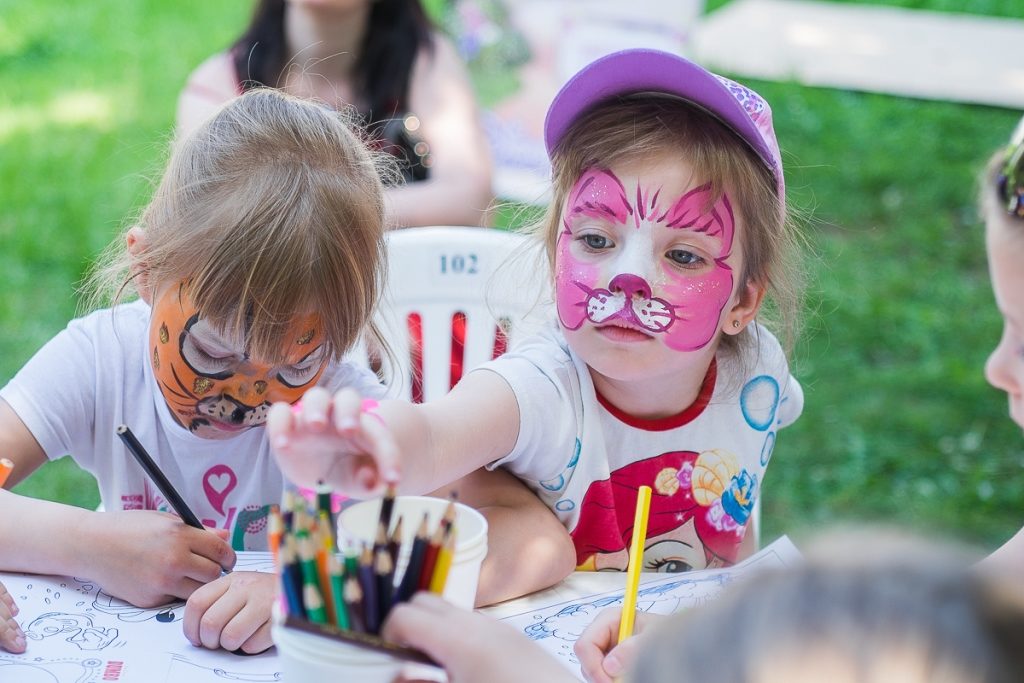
(556, 617)
(79, 634)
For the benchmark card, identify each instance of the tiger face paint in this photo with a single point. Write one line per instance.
(211, 385)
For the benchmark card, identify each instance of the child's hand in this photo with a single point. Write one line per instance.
(334, 440)
(482, 649)
(232, 612)
(12, 638)
(601, 659)
(149, 558)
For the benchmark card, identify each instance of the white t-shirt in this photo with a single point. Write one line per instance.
(586, 459)
(95, 375)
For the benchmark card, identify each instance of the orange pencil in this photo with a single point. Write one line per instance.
(275, 529)
(6, 467)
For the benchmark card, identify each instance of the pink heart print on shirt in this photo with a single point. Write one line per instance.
(218, 482)
(685, 306)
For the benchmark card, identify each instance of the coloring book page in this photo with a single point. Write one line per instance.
(556, 617)
(79, 634)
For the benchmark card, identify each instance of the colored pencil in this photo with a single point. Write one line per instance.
(384, 571)
(387, 506)
(444, 562)
(275, 530)
(337, 575)
(411, 578)
(324, 507)
(353, 594)
(314, 604)
(289, 586)
(6, 467)
(161, 481)
(395, 541)
(368, 582)
(430, 559)
(636, 557)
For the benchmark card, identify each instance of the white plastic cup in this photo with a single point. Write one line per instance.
(306, 657)
(358, 523)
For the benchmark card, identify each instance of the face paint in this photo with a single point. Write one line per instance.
(210, 384)
(631, 283)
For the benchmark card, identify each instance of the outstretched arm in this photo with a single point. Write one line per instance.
(339, 440)
(519, 525)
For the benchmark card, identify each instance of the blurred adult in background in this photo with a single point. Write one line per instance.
(385, 59)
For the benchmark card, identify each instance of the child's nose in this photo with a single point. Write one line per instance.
(630, 285)
(997, 369)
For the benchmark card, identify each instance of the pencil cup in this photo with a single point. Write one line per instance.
(358, 523)
(309, 657)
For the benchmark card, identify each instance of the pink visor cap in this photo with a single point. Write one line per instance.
(634, 71)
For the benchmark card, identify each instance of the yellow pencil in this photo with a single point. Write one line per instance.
(444, 563)
(636, 558)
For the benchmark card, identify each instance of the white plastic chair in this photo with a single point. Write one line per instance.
(495, 281)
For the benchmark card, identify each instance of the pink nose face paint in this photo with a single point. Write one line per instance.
(686, 303)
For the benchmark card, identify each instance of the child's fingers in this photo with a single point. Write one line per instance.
(346, 407)
(12, 638)
(595, 642)
(313, 412)
(382, 445)
(243, 625)
(212, 547)
(198, 605)
(280, 422)
(7, 599)
(259, 641)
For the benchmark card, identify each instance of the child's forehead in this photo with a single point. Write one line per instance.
(303, 333)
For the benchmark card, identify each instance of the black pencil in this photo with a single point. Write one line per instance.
(162, 483)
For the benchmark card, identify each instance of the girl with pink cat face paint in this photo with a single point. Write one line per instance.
(667, 229)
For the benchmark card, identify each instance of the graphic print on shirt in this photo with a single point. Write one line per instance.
(700, 505)
(629, 282)
(247, 524)
(211, 385)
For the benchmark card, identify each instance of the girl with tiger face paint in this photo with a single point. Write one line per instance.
(211, 384)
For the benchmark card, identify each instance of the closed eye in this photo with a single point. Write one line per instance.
(304, 371)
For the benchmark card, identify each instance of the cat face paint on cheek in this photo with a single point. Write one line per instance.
(685, 307)
(597, 194)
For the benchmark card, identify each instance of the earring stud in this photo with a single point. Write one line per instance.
(735, 324)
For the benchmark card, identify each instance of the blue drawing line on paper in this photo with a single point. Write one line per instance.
(184, 669)
(23, 669)
(558, 626)
(77, 629)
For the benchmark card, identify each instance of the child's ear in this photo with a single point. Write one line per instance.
(135, 240)
(744, 310)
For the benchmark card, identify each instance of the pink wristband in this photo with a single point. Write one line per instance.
(369, 407)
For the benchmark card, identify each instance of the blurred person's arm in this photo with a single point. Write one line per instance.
(1009, 556)
(208, 87)
(458, 190)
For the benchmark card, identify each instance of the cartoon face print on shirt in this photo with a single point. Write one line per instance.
(646, 255)
(700, 505)
(211, 385)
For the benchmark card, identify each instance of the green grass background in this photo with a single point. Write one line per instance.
(899, 425)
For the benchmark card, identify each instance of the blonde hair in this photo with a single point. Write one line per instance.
(637, 127)
(918, 614)
(272, 208)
